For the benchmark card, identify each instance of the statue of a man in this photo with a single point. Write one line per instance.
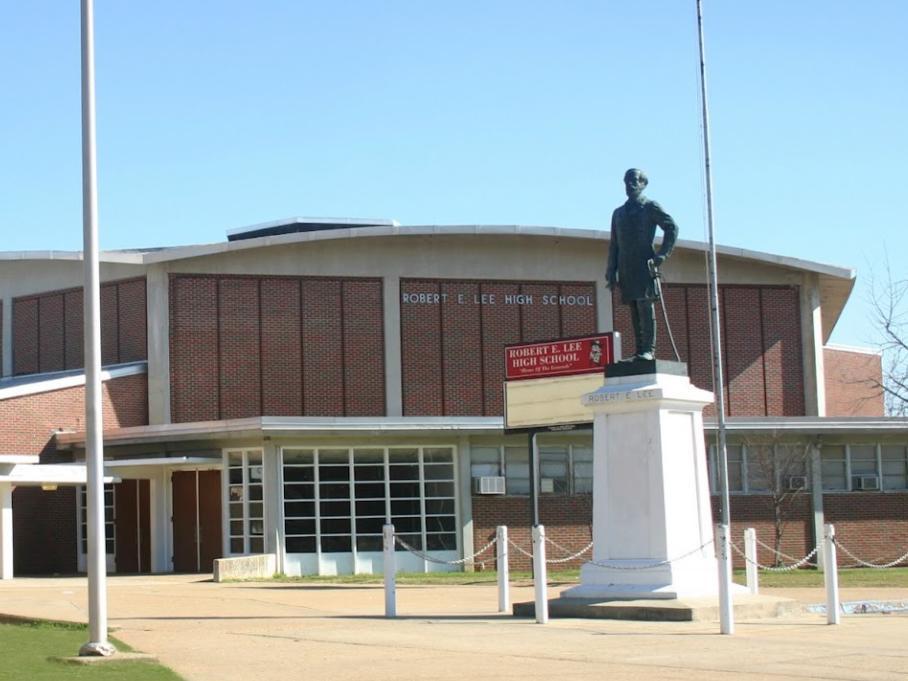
(630, 250)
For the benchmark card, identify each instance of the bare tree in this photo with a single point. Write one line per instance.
(774, 468)
(889, 304)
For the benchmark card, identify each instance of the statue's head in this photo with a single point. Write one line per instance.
(634, 183)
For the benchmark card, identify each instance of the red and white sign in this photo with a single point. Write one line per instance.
(565, 357)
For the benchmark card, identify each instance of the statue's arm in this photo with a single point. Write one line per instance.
(669, 228)
(611, 270)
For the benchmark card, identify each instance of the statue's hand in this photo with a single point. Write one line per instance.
(610, 279)
(658, 260)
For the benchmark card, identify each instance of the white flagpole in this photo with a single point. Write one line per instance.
(726, 611)
(98, 645)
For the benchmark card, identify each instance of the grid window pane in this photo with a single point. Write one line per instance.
(834, 468)
(553, 470)
(863, 459)
(517, 470)
(895, 466)
(485, 461)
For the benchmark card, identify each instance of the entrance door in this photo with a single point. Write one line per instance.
(196, 520)
(132, 519)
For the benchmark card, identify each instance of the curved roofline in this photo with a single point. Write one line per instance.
(194, 251)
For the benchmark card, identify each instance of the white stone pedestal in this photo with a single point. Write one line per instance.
(651, 500)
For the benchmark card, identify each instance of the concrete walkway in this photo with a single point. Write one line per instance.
(318, 632)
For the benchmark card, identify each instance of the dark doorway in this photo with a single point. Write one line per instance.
(132, 518)
(196, 520)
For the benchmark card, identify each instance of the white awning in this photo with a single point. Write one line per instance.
(47, 474)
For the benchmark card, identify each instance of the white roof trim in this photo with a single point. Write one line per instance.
(161, 461)
(41, 383)
(47, 474)
(183, 252)
(854, 348)
(360, 228)
(125, 257)
(18, 458)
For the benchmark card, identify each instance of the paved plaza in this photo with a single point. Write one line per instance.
(207, 631)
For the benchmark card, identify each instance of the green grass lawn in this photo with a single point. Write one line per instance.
(891, 577)
(811, 577)
(26, 650)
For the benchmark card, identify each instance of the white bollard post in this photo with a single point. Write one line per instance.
(726, 607)
(831, 576)
(750, 556)
(6, 530)
(504, 598)
(390, 567)
(539, 576)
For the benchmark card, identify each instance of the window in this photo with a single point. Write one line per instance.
(834, 467)
(485, 461)
(563, 468)
(760, 462)
(245, 501)
(110, 530)
(517, 470)
(582, 464)
(894, 462)
(337, 500)
(553, 470)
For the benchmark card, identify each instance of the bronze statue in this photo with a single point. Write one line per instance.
(633, 264)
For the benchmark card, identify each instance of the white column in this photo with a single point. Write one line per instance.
(750, 553)
(6, 337)
(831, 577)
(812, 347)
(465, 500)
(158, 322)
(6, 530)
(504, 596)
(391, 298)
(540, 578)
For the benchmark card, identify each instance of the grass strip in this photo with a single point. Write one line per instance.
(29, 648)
(806, 577)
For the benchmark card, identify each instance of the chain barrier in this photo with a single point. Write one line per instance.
(519, 548)
(425, 556)
(781, 568)
(653, 565)
(779, 553)
(569, 558)
(864, 563)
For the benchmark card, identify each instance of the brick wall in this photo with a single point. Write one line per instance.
(872, 525)
(853, 382)
(48, 328)
(761, 341)
(44, 523)
(754, 510)
(567, 521)
(453, 335)
(275, 346)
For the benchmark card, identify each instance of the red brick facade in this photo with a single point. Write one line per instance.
(44, 523)
(453, 335)
(48, 328)
(567, 521)
(275, 346)
(853, 381)
(761, 342)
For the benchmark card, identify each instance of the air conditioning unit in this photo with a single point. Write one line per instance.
(865, 482)
(489, 484)
(547, 485)
(797, 483)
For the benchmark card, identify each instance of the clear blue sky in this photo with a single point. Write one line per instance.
(215, 114)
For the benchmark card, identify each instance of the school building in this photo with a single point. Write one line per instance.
(294, 387)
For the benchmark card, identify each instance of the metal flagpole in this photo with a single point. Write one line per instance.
(98, 645)
(726, 612)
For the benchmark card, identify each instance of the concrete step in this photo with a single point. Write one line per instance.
(668, 610)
